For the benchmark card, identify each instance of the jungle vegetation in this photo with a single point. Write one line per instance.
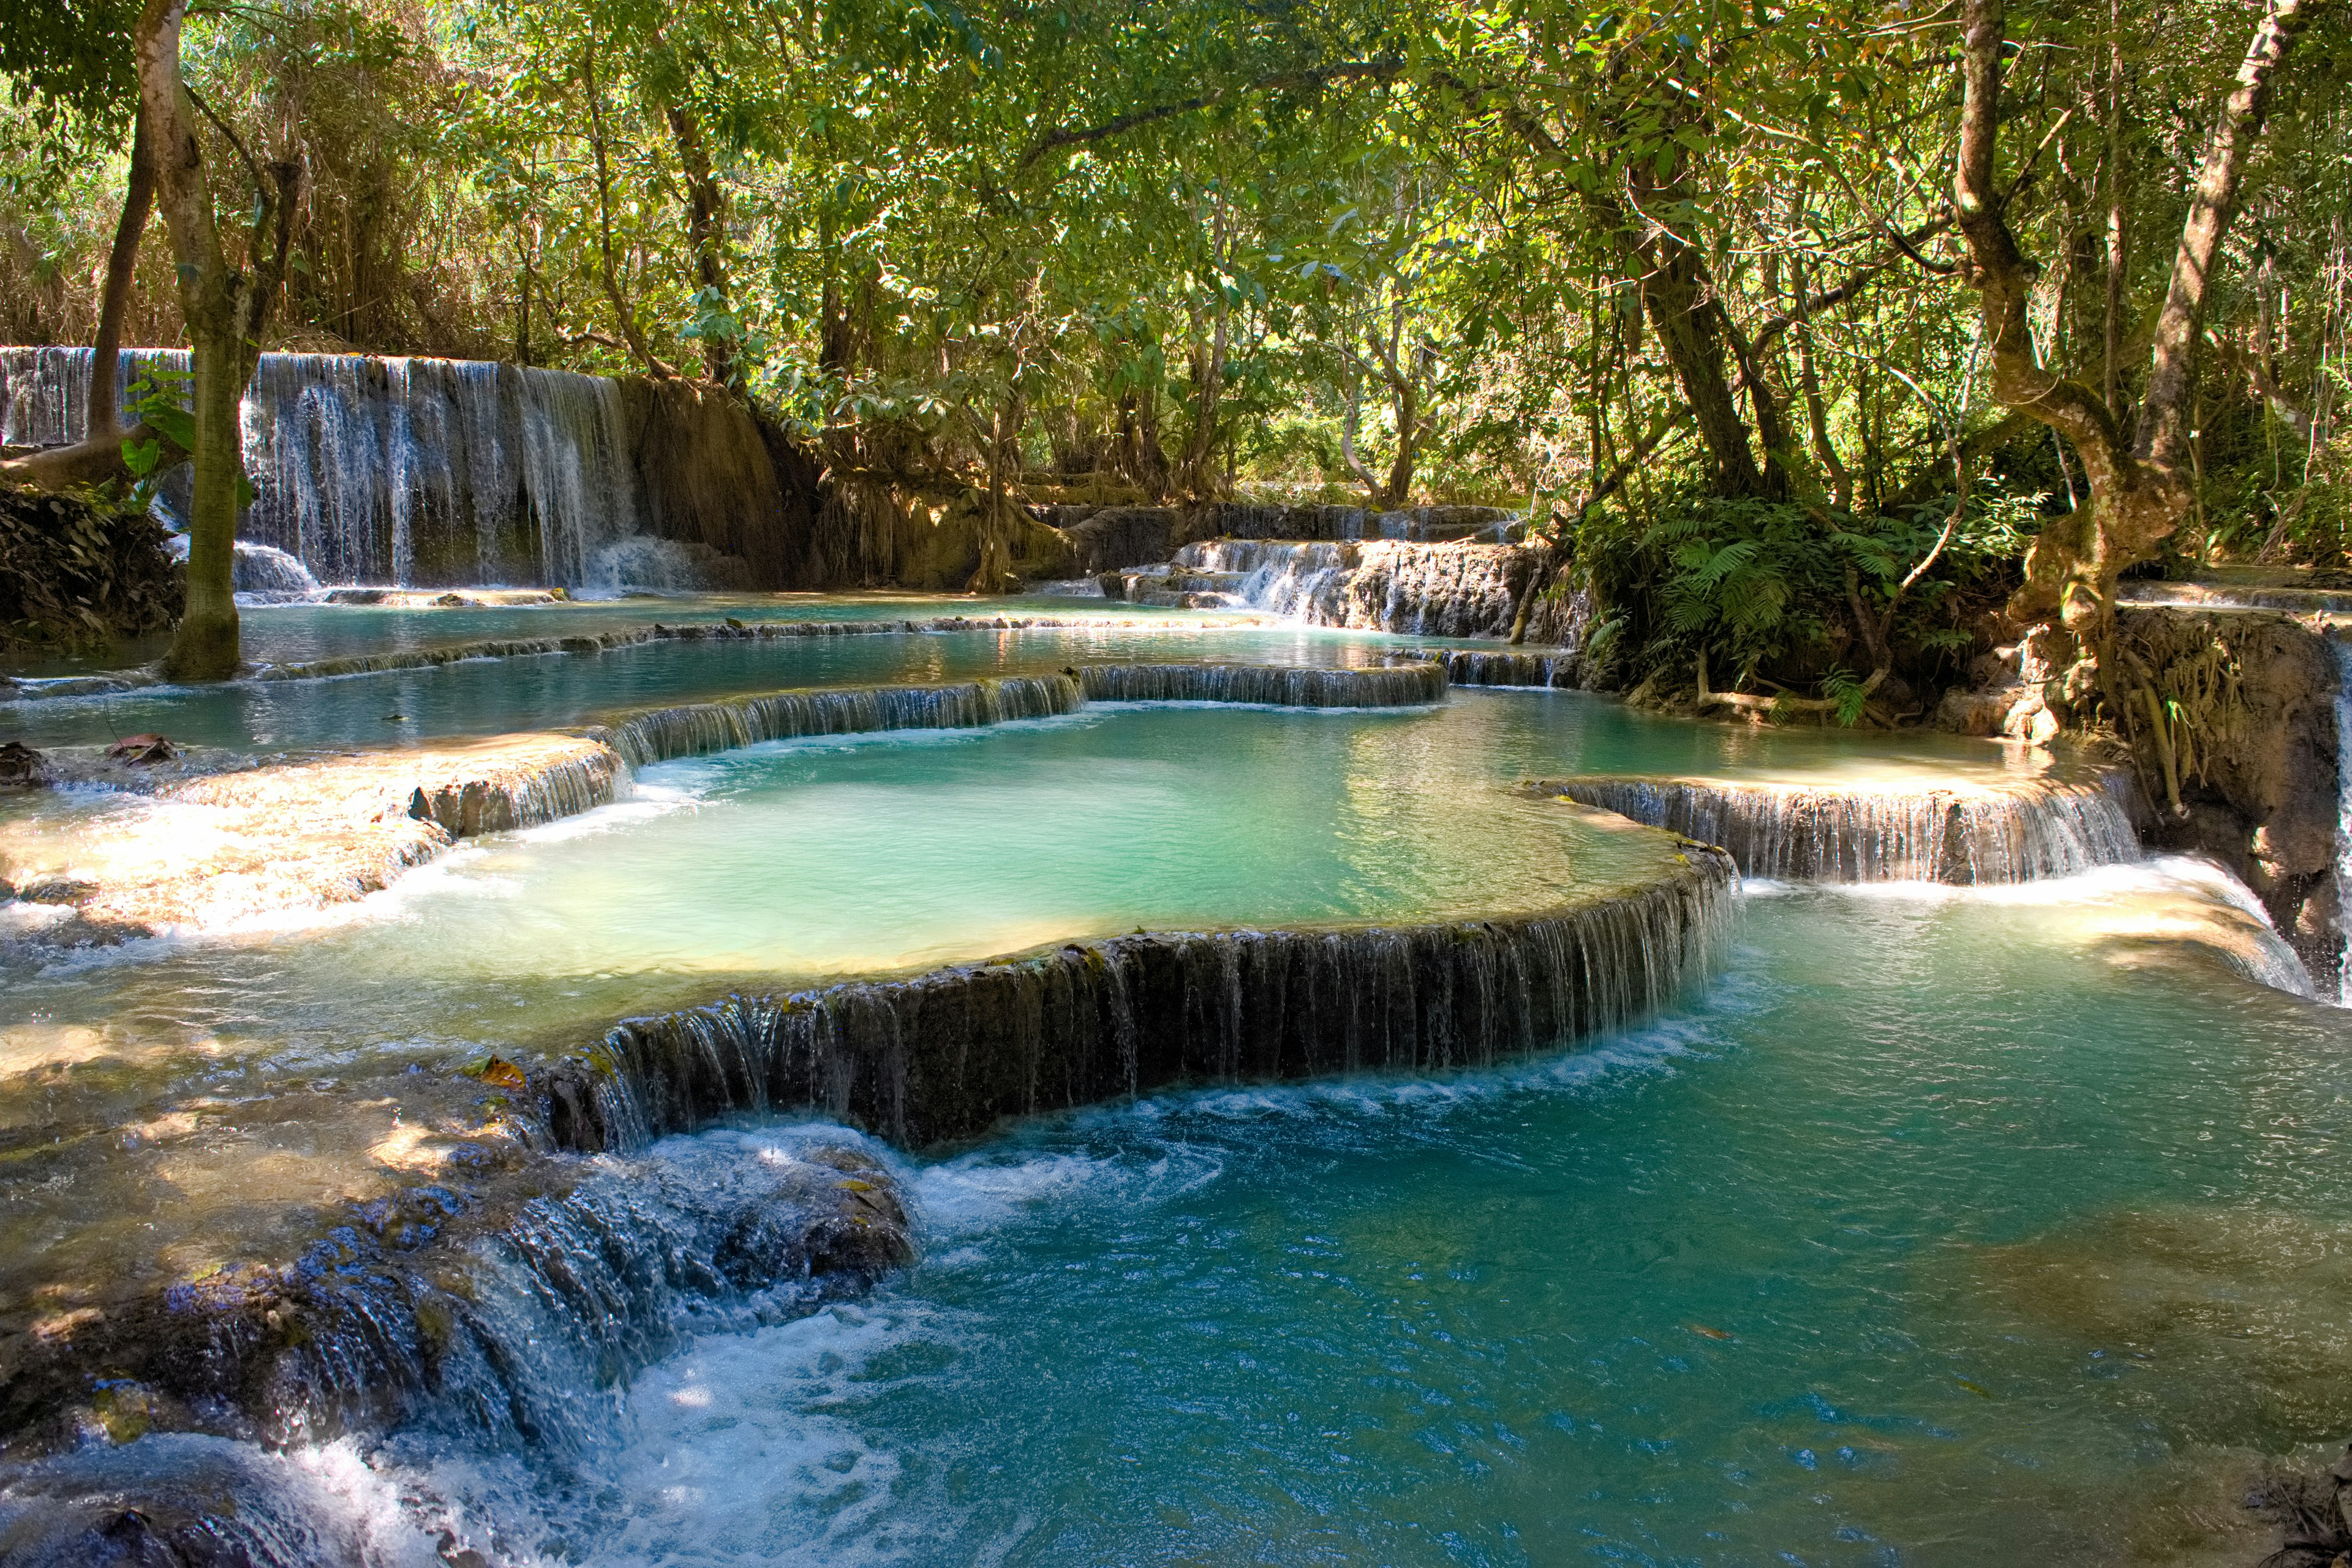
(1810, 327)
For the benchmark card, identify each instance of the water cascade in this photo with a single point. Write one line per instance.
(698, 729)
(1403, 685)
(1421, 589)
(503, 1307)
(397, 470)
(1880, 833)
(1481, 666)
(946, 1055)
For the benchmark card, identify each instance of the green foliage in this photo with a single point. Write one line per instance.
(1203, 236)
(1772, 588)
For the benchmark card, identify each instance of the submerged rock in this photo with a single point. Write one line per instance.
(19, 764)
(141, 751)
(836, 1215)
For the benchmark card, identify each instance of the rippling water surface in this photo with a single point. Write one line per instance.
(1927, 1236)
(1942, 1228)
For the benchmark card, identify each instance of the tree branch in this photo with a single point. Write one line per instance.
(1118, 125)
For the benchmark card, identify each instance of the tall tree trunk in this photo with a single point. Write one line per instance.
(2138, 490)
(225, 308)
(122, 267)
(625, 313)
(706, 230)
(96, 458)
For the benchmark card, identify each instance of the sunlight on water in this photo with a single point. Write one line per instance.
(1911, 1259)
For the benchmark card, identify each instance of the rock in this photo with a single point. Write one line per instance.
(19, 764)
(834, 1218)
(142, 749)
(1118, 536)
(184, 1501)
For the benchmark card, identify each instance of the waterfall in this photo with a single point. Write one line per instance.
(1402, 685)
(1479, 666)
(1421, 589)
(1809, 833)
(259, 571)
(505, 1307)
(544, 790)
(697, 729)
(945, 1054)
(397, 470)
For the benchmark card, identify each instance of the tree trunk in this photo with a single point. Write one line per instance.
(1679, 297)
(623, 311)
(706, 230)
(226, 309)
(121, 266)
(2138, 494)
(2164, 414)
(96, 458)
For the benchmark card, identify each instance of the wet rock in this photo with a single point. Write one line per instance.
(2314, 1515)
(190, 1503)
(56, 891)
(834, 1217)
(142, 750)
(19, 764)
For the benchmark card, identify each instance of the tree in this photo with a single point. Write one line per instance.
(2137, 478)
(226, 305)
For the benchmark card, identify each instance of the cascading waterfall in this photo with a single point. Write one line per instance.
(698, 729)
(1423, 590)
(396, 471)
(1863, 833)
(1479, 666)
(503, 1314)
(1402, 685)
(946, 1055)
(546, 792)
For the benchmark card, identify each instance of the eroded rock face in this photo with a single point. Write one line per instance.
(482, 1301)
(2263, 798)
(2267, 805)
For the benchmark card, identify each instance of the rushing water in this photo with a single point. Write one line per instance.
(1945, 1225)
(1979, 1250)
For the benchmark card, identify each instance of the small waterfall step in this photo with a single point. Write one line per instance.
(947, 1054)
(1957, 833)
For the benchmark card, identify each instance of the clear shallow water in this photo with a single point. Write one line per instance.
(1930, 1236)
(495, 695)
(804, 861)
(287, 634)
(807, 861)
(2001, 1209)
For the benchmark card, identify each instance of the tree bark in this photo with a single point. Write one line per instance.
(2164, 414)
(706, 230)
(121, 267)
(225, 308)
(2138, 494)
